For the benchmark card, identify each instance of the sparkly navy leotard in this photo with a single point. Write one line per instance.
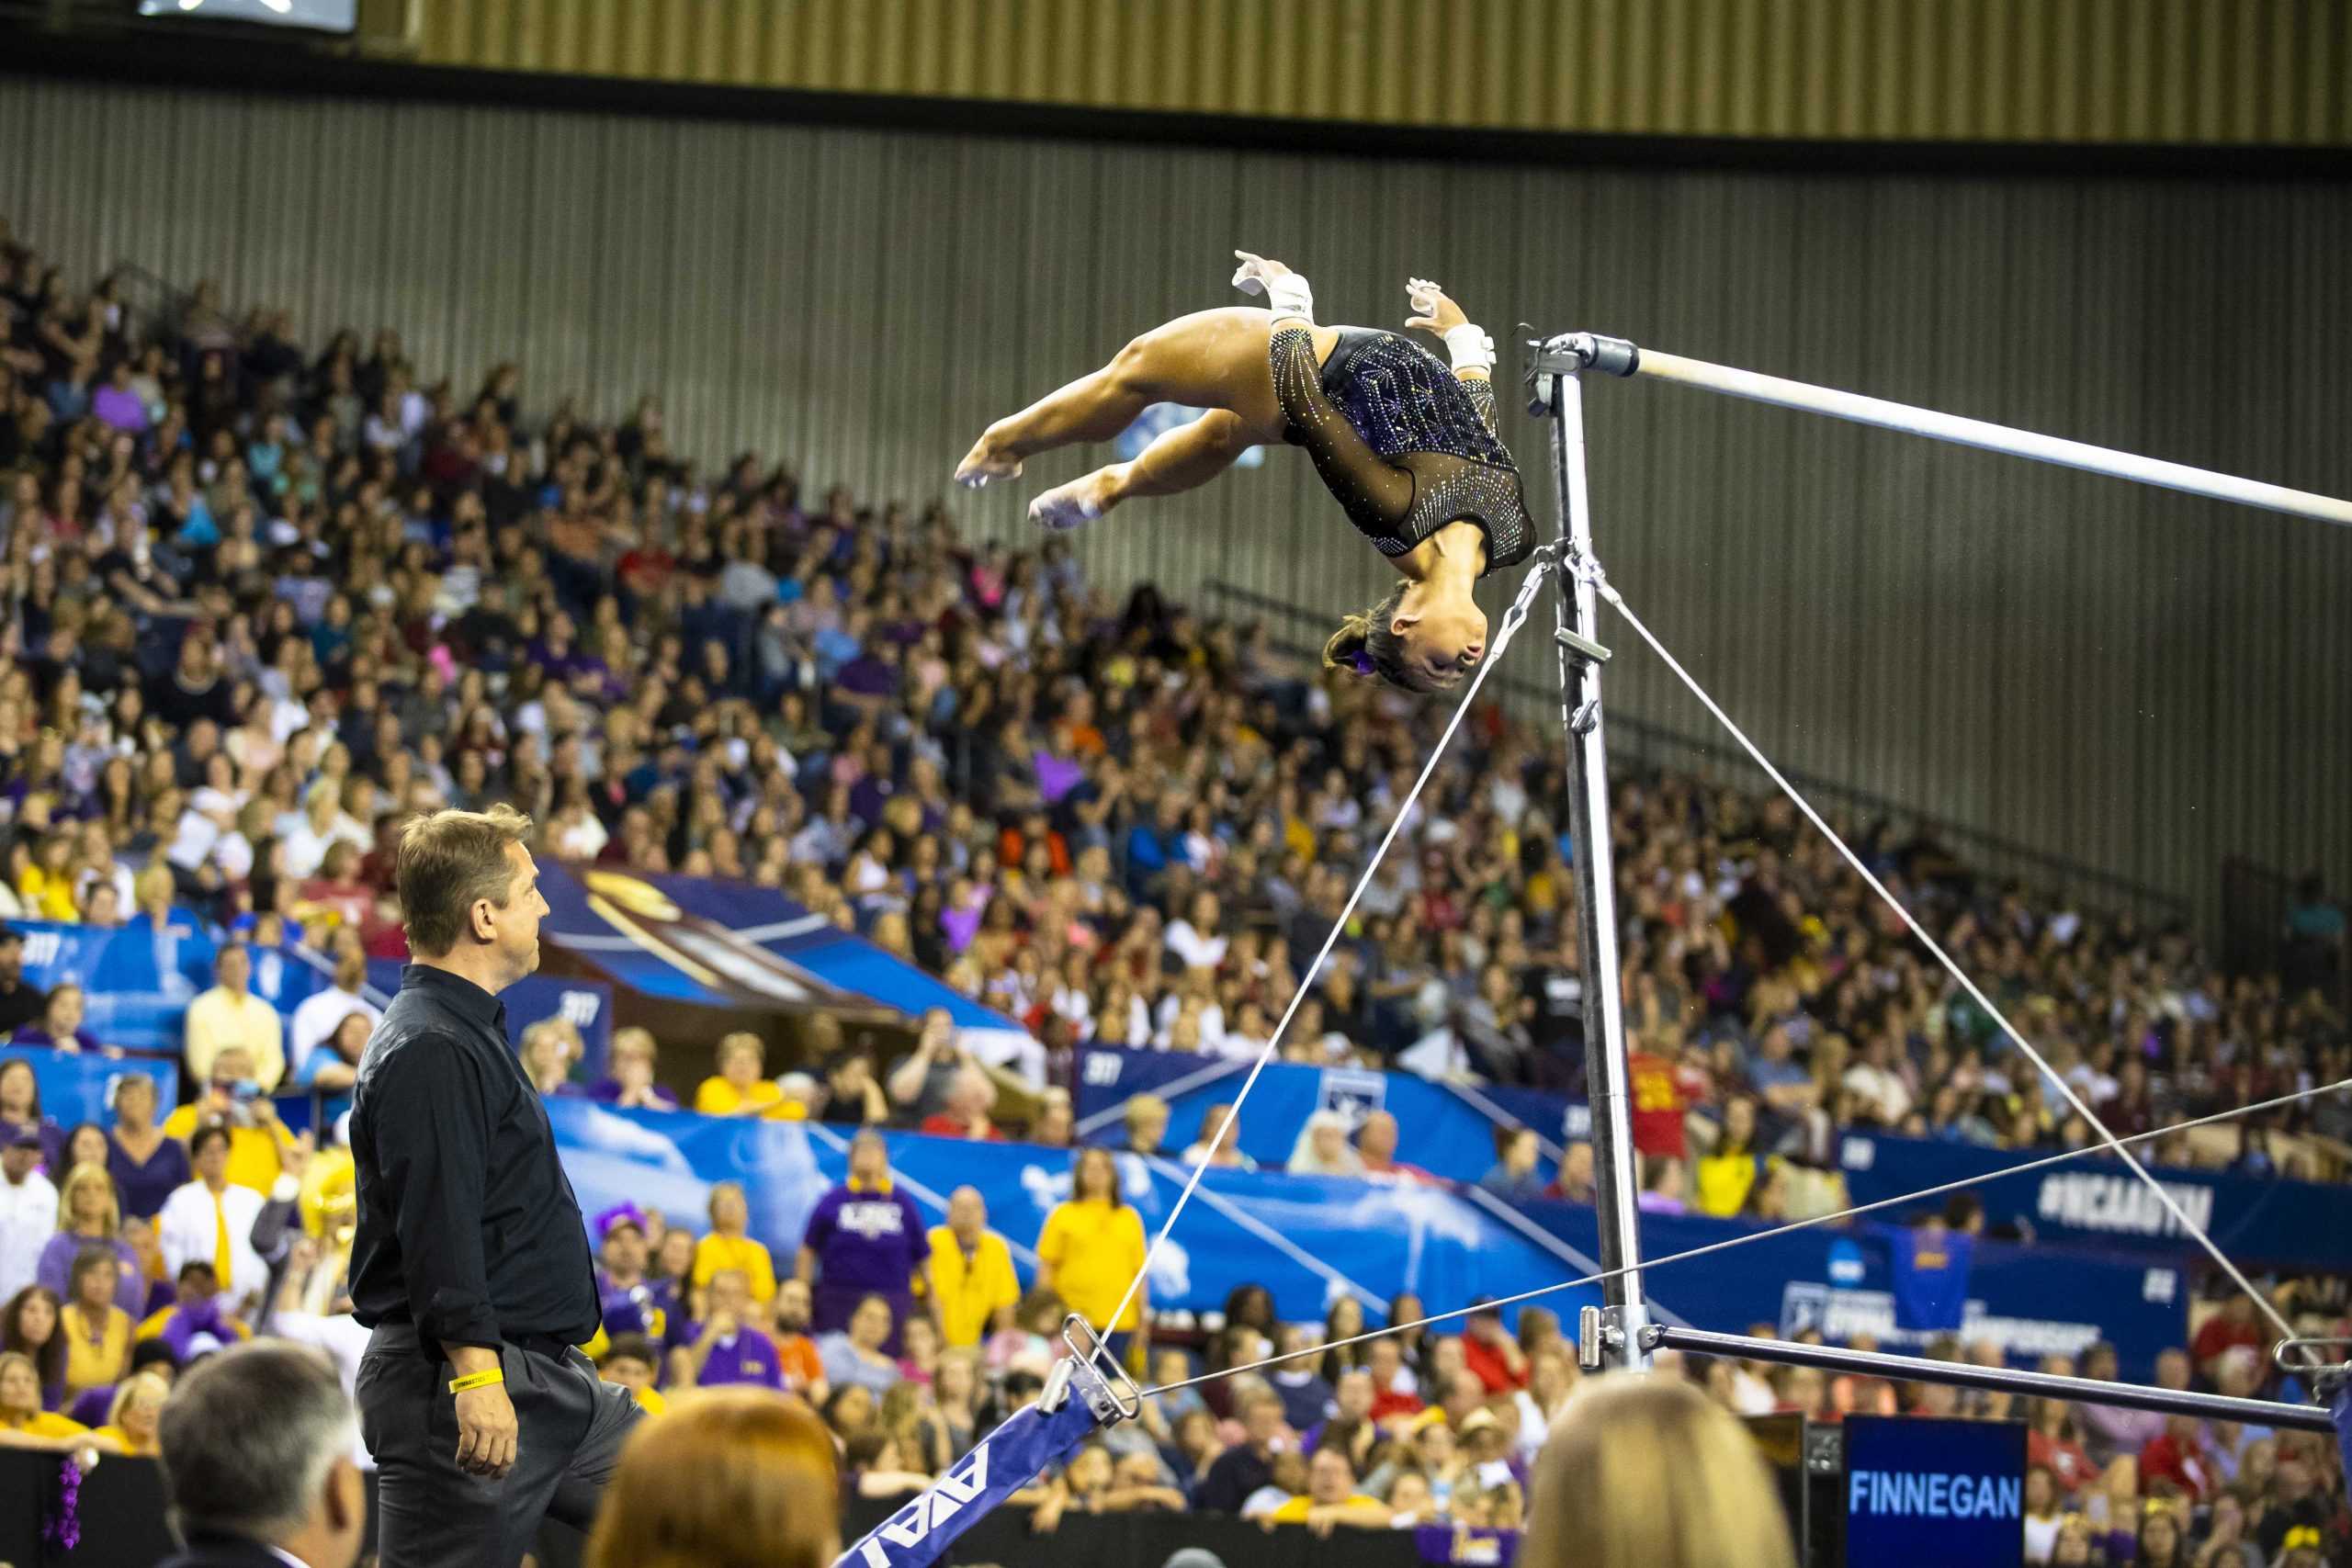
(1402, 444)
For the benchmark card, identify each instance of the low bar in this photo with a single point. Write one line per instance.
(1991, 437)
(2001, 1379)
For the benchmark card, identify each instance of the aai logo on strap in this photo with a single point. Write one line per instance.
(911, 1525)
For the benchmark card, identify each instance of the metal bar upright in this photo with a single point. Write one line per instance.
(1576, 641)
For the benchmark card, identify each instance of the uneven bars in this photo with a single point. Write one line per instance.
(2041, 1385)
(1618, 357)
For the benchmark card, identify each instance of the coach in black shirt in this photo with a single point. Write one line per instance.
(470, 1261)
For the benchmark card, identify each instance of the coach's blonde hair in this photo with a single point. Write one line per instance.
(1646, 1471)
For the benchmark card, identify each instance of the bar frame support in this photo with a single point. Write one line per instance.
(1618, 1335)
(1614, 1337)
(2001, 1379)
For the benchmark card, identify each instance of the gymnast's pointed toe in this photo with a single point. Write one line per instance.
(1064, 507)
(984, 463)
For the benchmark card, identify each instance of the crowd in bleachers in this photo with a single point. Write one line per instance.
(266, 599)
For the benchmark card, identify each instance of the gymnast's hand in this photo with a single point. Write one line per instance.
(1251, 275)
(1433, 312)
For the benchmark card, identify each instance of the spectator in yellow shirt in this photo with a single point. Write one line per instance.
(1331, 1497)
(131, 1419)
(23, 1422)
(45, 885)
(971, 1271)
(1727, 1173)
(738, 1088)
(727, 1247)
(228, 1015)
(96, 1332)
(257, 1137)
(1092, 1246)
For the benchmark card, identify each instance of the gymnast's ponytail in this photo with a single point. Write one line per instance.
(1367, 644)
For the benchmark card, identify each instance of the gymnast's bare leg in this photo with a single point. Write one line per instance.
(1213, 360)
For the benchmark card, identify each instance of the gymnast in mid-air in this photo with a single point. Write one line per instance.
(1407, 448)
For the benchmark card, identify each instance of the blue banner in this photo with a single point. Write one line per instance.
(74, 1088)
(138, 978)
(1310, 1239)
(2098, 1200)
(728, 944)
(2032, 1302)
(1934, 1493)
(1307, 1239)
(1443, 1130)
(1449, 1132)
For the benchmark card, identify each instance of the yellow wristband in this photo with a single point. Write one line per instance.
(477, 1380)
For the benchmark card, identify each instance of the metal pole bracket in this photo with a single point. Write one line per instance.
(1611, 1338)
(1584, 647)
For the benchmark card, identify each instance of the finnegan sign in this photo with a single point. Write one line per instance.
(1930, 1494)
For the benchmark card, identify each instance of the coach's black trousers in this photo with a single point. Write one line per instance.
(430, 1514)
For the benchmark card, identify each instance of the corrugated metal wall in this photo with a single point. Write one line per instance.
(2139, 681)
(2157, 71)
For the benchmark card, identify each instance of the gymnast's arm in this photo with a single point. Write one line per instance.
(1481, 387)
(1473, 351)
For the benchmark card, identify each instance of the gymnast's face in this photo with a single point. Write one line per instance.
(1444, 633)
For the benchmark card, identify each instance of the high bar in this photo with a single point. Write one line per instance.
(2044, 1385)
(1592, 350)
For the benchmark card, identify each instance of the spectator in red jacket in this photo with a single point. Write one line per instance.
(965, 1111)
(2232, 1326)
(1491, 1354)
(2178, 1455)
(1396, 1397)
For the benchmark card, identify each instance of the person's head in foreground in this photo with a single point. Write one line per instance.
(470, 893)
(256, 1445)
(1644, 1472)
(1424, 637)
(765, 1493)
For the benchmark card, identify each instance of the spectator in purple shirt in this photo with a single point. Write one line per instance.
(726, 1347)
(865, 1237)
(632, 1058)
(629, 1300)
(147, 1166)
(199, 1322)
(89, 1217)
(117, 403)
(20, 1112)
(59, 1027)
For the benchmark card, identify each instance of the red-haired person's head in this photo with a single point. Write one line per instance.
(765, 1493)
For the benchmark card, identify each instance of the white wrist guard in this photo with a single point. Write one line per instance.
(1471, 347)
(1287, 295)
(1291, 299)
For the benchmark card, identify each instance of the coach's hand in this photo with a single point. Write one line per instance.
(486, 1431)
